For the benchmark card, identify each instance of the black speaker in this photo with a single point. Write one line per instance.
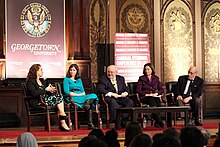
(105, 57)
(9, 120)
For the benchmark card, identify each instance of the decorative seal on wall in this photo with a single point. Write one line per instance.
(134, 18)
(35, 20)
(213, 22)
(178, 21)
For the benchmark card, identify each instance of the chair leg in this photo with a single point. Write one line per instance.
(75, 120)
(29, 124)
(107, 119)
(98, 117)
(48, 123)
(174, 121)
(69, 120)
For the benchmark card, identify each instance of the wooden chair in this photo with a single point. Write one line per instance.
(103, 104)
(73, 108)
(36, 110)
(136, 99)
(170, 95)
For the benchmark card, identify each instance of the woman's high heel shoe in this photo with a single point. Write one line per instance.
(61, 128)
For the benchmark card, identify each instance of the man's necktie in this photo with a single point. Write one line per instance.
(189, 92)
(114, 82)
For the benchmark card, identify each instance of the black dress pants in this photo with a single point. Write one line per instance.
(152, 102)
(117, 103)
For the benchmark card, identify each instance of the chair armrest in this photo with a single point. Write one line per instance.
(136, 99)
(170, 99)
(30, 98)
(72, 103)
(43, 103)
(102, 99)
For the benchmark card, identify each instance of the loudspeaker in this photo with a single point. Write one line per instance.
(9, 120)
(105, 57)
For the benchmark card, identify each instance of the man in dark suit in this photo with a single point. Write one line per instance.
(115, 90)
(189, 89)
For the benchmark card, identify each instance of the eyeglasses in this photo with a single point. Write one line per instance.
(189, 72)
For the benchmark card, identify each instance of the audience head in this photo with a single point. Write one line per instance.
(171, 132)
(132, 129)
(26, 140)
(157, 136)
(83, 141)
(95, 143)
(206, 135)
(110, 138)
(97, 132)
(148, 69)
(111, 71)
(35, 71)
(167, 141)
(191, 136)
(73, 71)
(192, 72)
(216, 142)
(141, 140)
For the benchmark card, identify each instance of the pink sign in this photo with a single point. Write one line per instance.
(131, 53)
(35, 34)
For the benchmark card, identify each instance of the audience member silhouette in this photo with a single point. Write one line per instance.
(157, 136)
(141, 140)
(216, 142)
(110, 138)
(97, 132)
(84, 140)
(206, 135)
(167, 141)
(95, 143)
(26, 140)
(171, 132)
(132, 129)
(191, 137)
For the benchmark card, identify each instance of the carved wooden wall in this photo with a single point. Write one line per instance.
(178, 38)
(136, 16)
(211, 53)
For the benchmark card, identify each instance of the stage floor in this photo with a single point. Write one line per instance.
(55, 138)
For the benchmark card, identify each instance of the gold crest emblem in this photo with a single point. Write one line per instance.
(35, 20)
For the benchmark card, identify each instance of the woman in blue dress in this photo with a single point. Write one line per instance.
(73, 86)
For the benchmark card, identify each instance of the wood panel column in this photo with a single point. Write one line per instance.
(2, 18)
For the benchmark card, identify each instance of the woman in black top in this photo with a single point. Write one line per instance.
(36, 87)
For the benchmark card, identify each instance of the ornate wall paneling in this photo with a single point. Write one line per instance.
(77, 34)
(178, 38)
(98, 31)
(2, 41)
(211, 53)
(69, 29)
(136, 16)
(2, 18)
(77, 26)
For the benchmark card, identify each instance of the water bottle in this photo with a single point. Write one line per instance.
(71, 125)
(144, 122)
(100, 123)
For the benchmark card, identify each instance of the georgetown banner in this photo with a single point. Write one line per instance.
(35, 34)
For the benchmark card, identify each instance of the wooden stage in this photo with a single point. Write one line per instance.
(73, 139)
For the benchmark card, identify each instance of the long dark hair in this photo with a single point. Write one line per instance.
(77, 76)
(151, 66)
(32, 74)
